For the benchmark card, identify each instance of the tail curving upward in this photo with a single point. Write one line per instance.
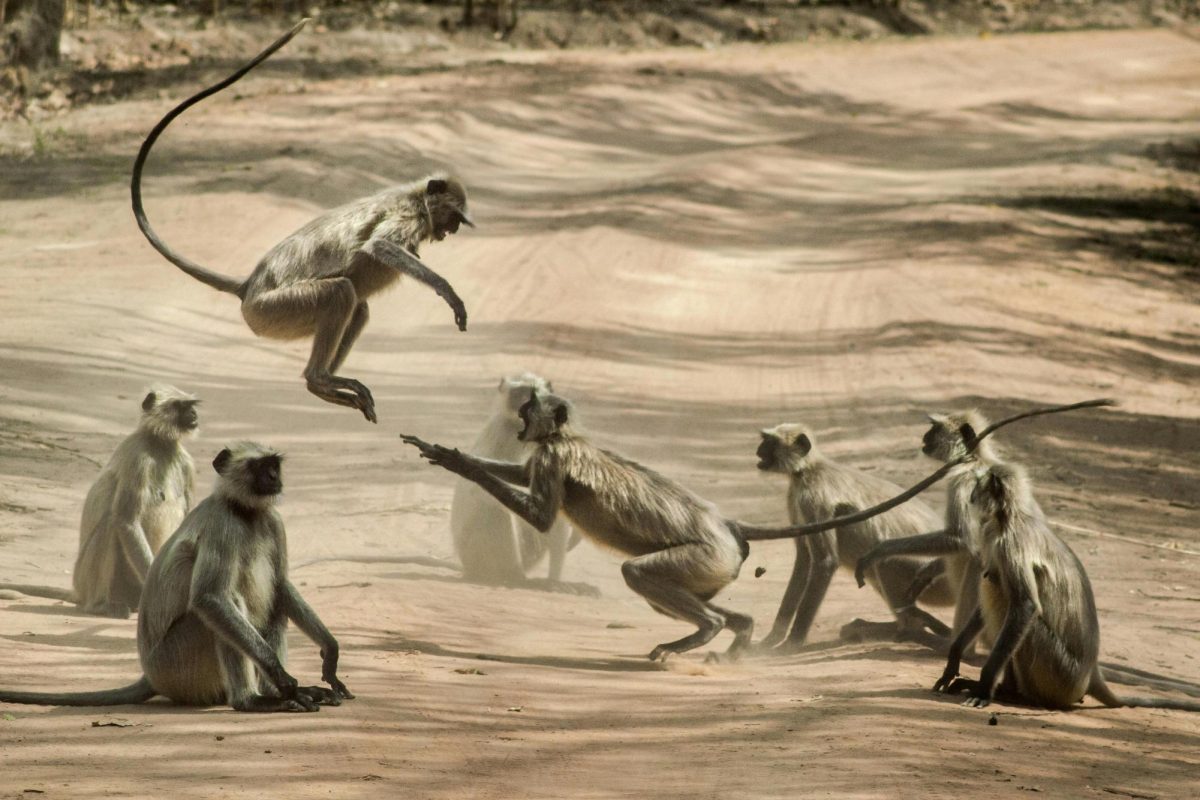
(220, 282)
(137, 692)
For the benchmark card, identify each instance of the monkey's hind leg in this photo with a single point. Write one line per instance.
(329, 310)
(662, 578)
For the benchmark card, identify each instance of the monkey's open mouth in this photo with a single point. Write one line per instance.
(765, 463)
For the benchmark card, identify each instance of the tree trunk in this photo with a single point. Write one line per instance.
(31, 32)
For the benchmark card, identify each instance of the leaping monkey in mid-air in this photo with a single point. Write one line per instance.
(316, 281)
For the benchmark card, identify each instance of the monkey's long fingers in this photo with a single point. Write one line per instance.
(340, 689)
(322, 696)
(860, 569)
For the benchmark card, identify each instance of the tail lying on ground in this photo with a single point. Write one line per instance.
(1132, 676)
(49, 592)
(138, 692)
(1099, 690)
(220, 282)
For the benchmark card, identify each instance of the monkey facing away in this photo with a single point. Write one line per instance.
(820, 488)
(315, 283)
(213, 620)
(140, 497)
(951, 437)
(1036, 602)
(494, 545)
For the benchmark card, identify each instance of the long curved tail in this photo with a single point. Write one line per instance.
(1099, 690)
(137, 692)
(49, 592)
(1131, 676)
(220, 282)
(756, 533)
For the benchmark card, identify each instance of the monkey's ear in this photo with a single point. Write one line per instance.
(435, 186)
(967, 433)
(550, 387)
(803, 444)
(561, 414)
(148, 402)
(503, 385)
(222, 461)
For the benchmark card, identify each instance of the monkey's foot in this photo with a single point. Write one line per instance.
(564, 587)
(344, 392)
(861, 630)
(263, 704)
(321, 696)
(113, 610)
(951, 684)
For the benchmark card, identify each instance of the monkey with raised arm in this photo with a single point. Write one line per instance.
(138, 500)
(682, 552)
(213, 620)
(1036, 603)
(820, 488)
(316, 282)
(493, 544)
(950, 437)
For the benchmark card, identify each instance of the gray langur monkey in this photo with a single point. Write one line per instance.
(950, 438)
(682, 551)
(1036, 602)
(213, 620)
(140, 497)
(316, 281)
(494, 545)
(820, 488)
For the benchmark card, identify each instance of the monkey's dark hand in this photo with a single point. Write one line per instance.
(947, 684)
(860, 572)
(448, 458)
(329, 663)
(460, 310)
(286, 684)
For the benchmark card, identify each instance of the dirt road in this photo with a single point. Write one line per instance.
(692, 245)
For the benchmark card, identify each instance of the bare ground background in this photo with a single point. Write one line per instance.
(692, 245)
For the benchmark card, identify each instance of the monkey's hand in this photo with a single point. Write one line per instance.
(949, 683)
(329, 663)
(287, 685)
(456, 304)
(977, 699)
(448, 458)
(860, 572)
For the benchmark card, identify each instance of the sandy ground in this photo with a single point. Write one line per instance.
(692, 246)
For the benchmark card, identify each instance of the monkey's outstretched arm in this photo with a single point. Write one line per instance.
(539, 507)
(396, 257)
(310, 624)
(209, 600)
(938, 543)
(507, 471)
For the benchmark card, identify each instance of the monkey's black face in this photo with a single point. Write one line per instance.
(186, 416)
(267, 476)
(929, 442)
(523, 413)
(768, 457)
(444, 227)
